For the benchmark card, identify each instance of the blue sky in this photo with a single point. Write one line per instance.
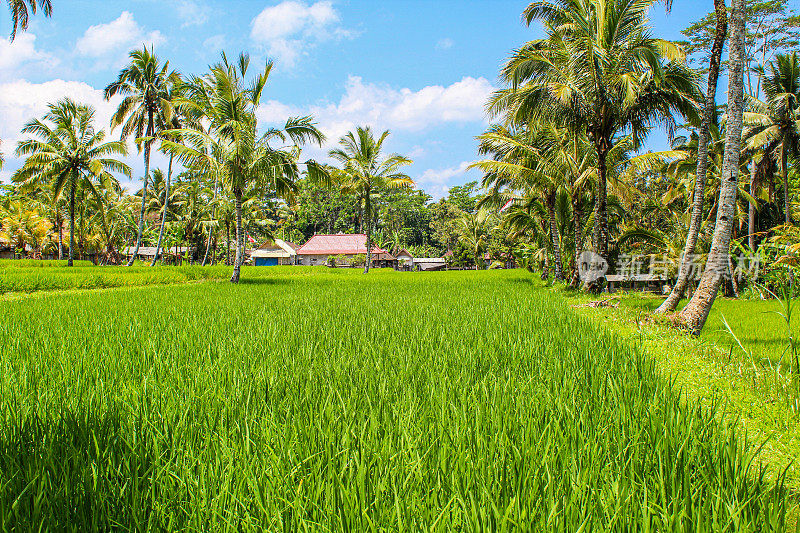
(420, 68)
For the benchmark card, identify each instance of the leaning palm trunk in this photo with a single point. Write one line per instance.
(751, 209)
(164, 213)
(144, 194)
(554, 236)
(696, 221)
(368, 224)
(694, 315)
(237, 265)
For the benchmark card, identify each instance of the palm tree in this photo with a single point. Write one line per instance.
(598, 71)
(474, 230)
(176, 123)
(232, 148)
(523, 162)
(22, 225)
(366, 172)
(145, 111)
(695, 313)
(19, 13)
(70, 154)
(776, 122)
(709, 108)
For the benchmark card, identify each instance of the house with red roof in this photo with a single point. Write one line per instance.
(343, 245)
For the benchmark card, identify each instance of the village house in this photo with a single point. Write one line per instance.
(405, 261)
(173, 254)
(273, 253)
(319, 247)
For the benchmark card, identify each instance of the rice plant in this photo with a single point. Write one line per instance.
(308, 399)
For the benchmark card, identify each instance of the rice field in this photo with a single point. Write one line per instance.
(38, 276)
(309, 399)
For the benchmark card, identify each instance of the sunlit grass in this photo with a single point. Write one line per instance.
(330, 400)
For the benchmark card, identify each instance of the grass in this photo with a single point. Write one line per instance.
(756, 393)
(35, 277)
(308, 399)
(41, 263)
(755, 323)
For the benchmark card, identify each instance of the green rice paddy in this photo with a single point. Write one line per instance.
(317, 400)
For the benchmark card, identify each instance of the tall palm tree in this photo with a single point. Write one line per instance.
(523, 162)
(709, 107)
(777, 120)
(695, 313)
(70, 154)
(232, 148)
(20, 13)
(598, 71)
(175, 88)
(366, 172)
(146, 110)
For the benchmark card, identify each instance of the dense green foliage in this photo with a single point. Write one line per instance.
(336, 406)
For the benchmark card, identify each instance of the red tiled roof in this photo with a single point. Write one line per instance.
(294, 246)
(338, 244)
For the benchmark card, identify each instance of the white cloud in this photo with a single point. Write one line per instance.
(437, 182)
(288, 29)
(122, 33)
(192, 12)
(445, 44)
(215, 43)
(21, 101)
(384, 107)
(22, 50)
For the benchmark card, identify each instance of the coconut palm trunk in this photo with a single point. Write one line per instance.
(60, 223)
(577, 217)
(669, 305)
(150, 128)
(368, 226)
(237, 265)
(601, 201)
(751, 208)
(71, 223)
(554, 236)
(695, 314)
(164, 213)
(211, 229)
(785, 175)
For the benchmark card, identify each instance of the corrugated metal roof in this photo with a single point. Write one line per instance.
(279, 247)
(341, 243)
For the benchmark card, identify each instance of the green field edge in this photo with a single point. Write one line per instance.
(701, 370)
(12, 296)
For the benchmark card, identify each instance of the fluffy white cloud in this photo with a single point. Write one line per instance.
(288, 29)
(437, 182)
(445, 44)
(384, 107)
(22, 50)
(121, 33)
(192, 12)
(22, 101)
